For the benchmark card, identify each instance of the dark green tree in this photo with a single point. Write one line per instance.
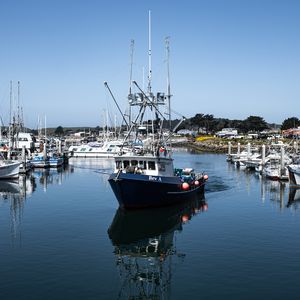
(254, 123)
(59, 131)
(198, 121)
(290, 123)
(208, 122)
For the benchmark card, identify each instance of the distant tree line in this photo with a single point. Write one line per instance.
(200, 122)
(250, 124)
(211, 124)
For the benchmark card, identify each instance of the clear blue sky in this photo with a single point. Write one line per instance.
(228, 58)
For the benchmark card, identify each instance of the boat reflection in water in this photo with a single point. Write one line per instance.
(274, 190)
(144, 246)
(280, 194)
(52, 176)
(15, 192)
(294, 198)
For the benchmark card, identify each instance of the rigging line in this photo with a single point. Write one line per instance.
(177, 113)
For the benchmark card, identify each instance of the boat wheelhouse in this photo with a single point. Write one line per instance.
(147, 165)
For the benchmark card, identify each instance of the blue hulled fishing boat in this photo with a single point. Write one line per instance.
(151, 181)
(147, 178)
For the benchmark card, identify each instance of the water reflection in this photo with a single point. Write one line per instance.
(144, 244)
(14, 193)
(274, 191)
(294, 198)
(52, 176)
(279, 193)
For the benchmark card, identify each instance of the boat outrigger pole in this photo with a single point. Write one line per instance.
(106, 85)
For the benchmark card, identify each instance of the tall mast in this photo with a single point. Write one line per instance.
(149, 55)
(45, 129)
(10, 103)
(19, 123)
(10, 133)
(168, 79)
(131, 63)
(130, 82)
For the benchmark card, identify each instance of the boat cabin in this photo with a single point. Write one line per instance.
(25, 139)
(144, 165)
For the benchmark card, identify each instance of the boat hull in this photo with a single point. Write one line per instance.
(56, 162)
(40, 163)
(9, 169)
(141, 191)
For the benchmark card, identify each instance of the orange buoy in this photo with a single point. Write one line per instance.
(196, 182)
(205, 177)
(185, 218)
(185, 186)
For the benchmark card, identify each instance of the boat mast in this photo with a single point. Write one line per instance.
(168, 80)
(149, 56)
(10, 133)
(150, 68)
(19, 122)
(130, 83)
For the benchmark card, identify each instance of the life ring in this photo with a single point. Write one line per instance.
(119, 153)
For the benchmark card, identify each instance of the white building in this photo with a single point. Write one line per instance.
(227, 132)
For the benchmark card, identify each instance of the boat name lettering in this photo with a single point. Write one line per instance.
(152, 178)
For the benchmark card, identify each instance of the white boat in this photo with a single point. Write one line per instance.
(108, 149)
(9, 169)
(275, 172)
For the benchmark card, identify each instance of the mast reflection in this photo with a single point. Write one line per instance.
(273, 190)
(15, 193)
(144, 244)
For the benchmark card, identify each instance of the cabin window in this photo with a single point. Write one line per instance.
(161, 167)
(125, 163)
(151, 165)
(110, 148)
(74, 149)
(118, 164)
(134, 162)
(142, 164)
(82, 149)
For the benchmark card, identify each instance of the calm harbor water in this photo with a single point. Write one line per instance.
(63, 237)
